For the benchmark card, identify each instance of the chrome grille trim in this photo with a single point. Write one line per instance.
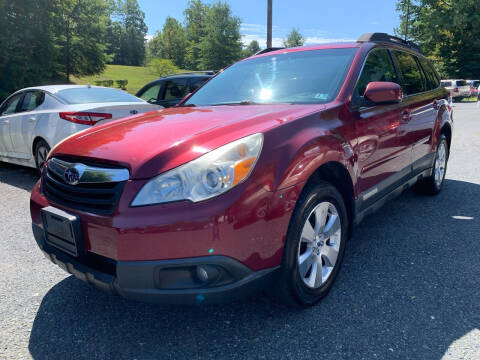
(89, 174)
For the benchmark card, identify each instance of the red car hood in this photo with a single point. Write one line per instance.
(154, 142)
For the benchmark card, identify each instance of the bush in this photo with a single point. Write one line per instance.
(162, 67)
(122, 84)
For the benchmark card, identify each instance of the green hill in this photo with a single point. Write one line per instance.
(137, 76)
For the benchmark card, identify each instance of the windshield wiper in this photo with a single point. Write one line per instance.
(187, 105)
(243, 102)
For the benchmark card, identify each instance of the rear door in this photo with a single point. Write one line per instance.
(382, 163)
(8, 114)
(420, 108)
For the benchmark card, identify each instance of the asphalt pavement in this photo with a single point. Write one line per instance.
(409, 289)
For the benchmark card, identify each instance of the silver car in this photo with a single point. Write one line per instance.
(33, 120)
(459, 89)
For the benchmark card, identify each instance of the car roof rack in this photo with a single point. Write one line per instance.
(386, 38)
(267, 50)
(206, 72)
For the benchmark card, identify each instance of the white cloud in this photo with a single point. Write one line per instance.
(149, 37)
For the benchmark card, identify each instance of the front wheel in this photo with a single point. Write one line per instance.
(314, 247)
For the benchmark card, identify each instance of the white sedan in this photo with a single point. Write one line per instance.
(33, 120)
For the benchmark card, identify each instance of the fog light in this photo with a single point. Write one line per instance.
(202, 274)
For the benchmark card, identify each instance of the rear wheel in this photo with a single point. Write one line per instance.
(315, 246)
(434, 183)
(41, 151)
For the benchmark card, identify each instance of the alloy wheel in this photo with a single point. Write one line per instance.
(319, 245)
(440, 164)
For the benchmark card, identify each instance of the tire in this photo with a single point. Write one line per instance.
(433, 184)
(41, 151)
(295, 285)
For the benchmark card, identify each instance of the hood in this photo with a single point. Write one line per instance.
(154, 142)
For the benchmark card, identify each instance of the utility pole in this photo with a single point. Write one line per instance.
(269, 24)
(406, 20)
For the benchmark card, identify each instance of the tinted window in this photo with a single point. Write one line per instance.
(446, 83)
(10, 105)
(431, 76)
(86, 95)
(412, 78)
(461, 83)
(32, 100)
(175, 89)
(476, 83)
(151, 94)
(296, 77)
(378, 67)
(195, 83)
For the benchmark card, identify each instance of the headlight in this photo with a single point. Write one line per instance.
(209, 175)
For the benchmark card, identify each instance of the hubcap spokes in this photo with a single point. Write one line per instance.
(440, 164)
(319, 245)
(41, 156)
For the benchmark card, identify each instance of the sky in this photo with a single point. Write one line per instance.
(319, 21)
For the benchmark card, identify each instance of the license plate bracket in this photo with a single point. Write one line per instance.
(62, 230)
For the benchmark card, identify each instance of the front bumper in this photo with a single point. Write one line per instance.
(139, 280)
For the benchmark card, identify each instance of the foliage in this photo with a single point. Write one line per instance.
(122, 84)
(221, 45)
(195, 29)
(170, 43)
(448, 33)
(294, 38)
(162, 67)
(251, 49)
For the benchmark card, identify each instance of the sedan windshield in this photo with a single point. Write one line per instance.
(86, 95)
(302, 77)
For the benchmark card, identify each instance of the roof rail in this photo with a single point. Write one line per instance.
(383, 37)
(267, 50)
(206, 72)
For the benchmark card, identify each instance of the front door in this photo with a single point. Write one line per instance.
(383, 162)
(8, 113)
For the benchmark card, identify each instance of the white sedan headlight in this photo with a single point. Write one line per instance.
(209, 175)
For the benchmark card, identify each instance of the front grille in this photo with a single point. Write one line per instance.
(92, 197)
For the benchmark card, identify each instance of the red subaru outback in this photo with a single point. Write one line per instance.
(255, 179)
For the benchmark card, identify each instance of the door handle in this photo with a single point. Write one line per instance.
(32, 119)
(406, 116)
(5, 122)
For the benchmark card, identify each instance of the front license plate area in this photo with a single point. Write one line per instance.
(62, 230)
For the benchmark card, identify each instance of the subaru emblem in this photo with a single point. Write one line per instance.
(71, 176)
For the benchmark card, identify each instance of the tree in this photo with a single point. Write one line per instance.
(195, 29)
(27, 56)
(221, 45)
(294, 39)
(80, 36)
(171, 42)
(447, 32)
(251, 49)
(162, 67)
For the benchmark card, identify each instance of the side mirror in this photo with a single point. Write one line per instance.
(383, 92)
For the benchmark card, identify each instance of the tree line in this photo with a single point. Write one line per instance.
(448, 32)
(50, 40)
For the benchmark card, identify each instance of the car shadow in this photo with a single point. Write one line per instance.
(408, 289)
(19, 176)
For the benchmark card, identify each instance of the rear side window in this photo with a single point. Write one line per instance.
(461, 83)
(446, 83)
(10, 106)
(430, 74)
(412, 78)
(32, 100)
(378, 67)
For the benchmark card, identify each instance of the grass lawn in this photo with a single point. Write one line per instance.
(137, 76)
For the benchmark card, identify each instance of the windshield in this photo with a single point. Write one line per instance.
(95, 95)
(446, 83)
(303, 77)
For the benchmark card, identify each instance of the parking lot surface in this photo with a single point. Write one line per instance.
(409, 289)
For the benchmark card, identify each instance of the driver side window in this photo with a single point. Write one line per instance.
(378, 67)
